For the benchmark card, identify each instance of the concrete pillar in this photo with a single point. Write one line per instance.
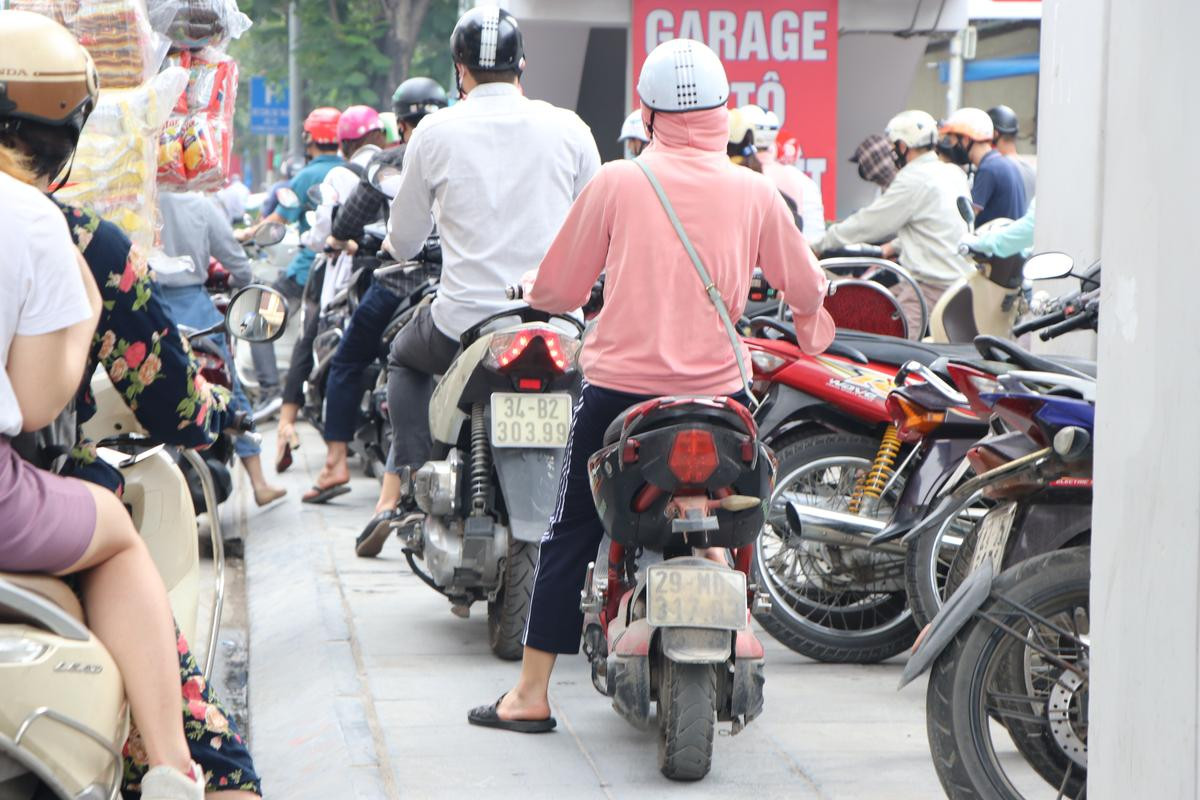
(1146, 543)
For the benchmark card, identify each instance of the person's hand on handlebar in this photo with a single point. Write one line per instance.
(889, 251)
(348, 246)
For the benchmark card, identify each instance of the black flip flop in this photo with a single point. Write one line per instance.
(489, 717)
(370, 541)
(325, 495)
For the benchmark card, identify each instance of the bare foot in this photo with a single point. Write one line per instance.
(268, 494)
(331, 475)
(513, 706)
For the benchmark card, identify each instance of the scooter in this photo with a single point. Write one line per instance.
(500, 419)
(63, 714)
(678, 473)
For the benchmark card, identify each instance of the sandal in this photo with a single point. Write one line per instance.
(319, 496)
(489, 717)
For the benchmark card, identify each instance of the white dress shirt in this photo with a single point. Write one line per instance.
(921, 207)
(343, 182)
(499, 172)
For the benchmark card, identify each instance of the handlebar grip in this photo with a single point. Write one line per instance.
(1081, 320)
(514, 292)
(242, 422)
(1038, 322)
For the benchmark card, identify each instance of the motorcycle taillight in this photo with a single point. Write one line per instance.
(912, 421)
(1018, 411)
(508, 351)
(693, 457)
(973, 383)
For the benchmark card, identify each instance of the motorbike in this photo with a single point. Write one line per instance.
(63, 714)
(678, 473)
(499, 419)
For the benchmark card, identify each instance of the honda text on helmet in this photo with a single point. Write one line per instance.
(49, 89)
(963, 128)
(914, 129)
(321, 127)
(487, 39)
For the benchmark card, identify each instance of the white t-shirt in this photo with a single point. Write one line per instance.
(42, 288)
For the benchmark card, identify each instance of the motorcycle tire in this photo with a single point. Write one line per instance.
(833, 637)
(922, 575)
(507, 613)
(956, 719)
(687, 719)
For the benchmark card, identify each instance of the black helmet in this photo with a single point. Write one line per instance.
(1004, 120)
(487, 39)
(417, 97)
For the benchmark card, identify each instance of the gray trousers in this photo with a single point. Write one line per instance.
(419, 353)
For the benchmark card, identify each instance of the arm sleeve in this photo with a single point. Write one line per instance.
(982, 189)
(411, 221)
(788, 263)
(360, 209)
(1011, 239)
(577, 256)
(225, 247)
(56, 296)
(883, 217)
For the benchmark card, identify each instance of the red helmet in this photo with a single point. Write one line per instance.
(357, 121)
(321, 125)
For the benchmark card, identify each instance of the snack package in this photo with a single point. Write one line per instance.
(115, 167)
(191, 24)
(197, 142)
(117, 33)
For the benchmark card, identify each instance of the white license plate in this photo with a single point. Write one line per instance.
(695, 597)
(993, 537)
(530, 420)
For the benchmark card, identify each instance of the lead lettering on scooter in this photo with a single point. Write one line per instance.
(76, 666)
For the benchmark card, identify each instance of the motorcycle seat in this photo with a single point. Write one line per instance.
(890, 350)
(48, 587)
(674, 414)
(1001, 349)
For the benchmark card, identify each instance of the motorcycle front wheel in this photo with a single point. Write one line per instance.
(687, 719)
(1028, 685)
(832, 603)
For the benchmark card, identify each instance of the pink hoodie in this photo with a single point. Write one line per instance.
(658, 332)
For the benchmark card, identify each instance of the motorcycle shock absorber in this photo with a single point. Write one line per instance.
(481, 461)
(871, 484)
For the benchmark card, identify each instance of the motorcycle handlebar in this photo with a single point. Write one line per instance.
(1039, 322)
(515, 293)
(241, 422)
(1081, 320)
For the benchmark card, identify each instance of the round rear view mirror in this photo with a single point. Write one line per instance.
(269, 233)
(257, 314)
(286, 197)
(1046, 265)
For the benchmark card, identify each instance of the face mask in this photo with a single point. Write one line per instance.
(955, 150)
(898, 159)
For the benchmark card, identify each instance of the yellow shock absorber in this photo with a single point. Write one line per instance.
(871, 484)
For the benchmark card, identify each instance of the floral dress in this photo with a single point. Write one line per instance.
(150, 364)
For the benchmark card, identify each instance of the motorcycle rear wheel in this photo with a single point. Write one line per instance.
(856, 623)
(507, 613)
(983, 675)
(687, 719)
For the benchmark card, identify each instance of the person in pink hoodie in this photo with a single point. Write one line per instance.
(658, 333)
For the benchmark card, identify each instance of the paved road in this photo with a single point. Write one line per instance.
(360, 680)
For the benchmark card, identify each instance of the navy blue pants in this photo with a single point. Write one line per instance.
(358, 348)
(555, 621)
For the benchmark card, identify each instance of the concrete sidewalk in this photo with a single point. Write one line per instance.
(360, 681)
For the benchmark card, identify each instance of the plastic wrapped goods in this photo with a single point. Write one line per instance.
(117, 33)
(193, 24)
(197, 142)
(115, 165)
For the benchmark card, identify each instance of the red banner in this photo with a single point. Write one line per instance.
(779, 54)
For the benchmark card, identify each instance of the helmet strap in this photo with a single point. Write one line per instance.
(66, 175)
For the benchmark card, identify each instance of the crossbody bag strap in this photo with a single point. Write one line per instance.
(710, 288)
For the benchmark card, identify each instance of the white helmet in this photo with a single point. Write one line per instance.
(682, 75)
(915, 128)
(974, 123)
(632, 128)
(765, 125)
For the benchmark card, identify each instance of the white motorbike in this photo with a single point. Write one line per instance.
(500, 418)
(63, 712)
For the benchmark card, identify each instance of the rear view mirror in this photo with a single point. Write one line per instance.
(311, 218)
(1050, 264)
(286, 197)
(269, 233)
(257, 314)
(966, 210)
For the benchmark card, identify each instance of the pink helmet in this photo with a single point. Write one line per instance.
(357, 121)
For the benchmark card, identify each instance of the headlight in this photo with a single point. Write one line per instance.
(765, 362)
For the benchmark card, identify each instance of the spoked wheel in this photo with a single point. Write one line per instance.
(930, 562)
(687, 719)
(830, 602)
(1032, 677)
(507, 613)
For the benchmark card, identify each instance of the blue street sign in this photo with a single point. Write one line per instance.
(268, 107)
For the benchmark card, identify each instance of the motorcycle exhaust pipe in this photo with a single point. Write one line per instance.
(837, 528)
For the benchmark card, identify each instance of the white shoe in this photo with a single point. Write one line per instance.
(168, 783)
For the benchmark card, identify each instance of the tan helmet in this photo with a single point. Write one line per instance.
(46, 76)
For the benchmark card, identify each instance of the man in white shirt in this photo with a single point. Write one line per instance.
(500, 172)
(920, 206)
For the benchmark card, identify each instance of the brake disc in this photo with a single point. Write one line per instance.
(1069, 693)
